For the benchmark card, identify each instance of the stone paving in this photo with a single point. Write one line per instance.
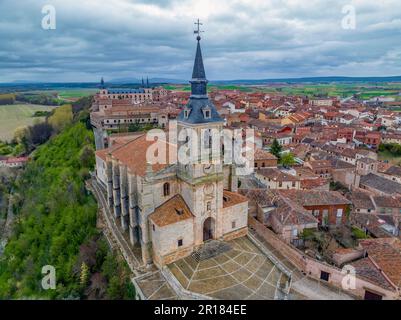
(155, 287)
(243, 272)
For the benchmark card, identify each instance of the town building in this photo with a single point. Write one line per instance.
(170, 209)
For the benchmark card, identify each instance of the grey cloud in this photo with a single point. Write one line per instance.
(243, 39)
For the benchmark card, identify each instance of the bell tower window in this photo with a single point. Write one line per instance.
(186, 113)
(166, 189)
(207, 113)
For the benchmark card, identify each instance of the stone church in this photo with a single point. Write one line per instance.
(170, 210)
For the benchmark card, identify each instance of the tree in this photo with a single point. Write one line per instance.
(84, 274)
(87, 156)
(19, 134)
(134, 127)
(275, 148)
(97, 288)
(39, 133)
(7, 99)
(61, 117)
(287, 159)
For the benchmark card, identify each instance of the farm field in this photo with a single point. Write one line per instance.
(343, 90)
(75, 94)
(18, 115)
(66, 94)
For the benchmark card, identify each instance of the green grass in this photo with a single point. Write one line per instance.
(18, 115)
(76, 93)
(386, 155)
(358, 233)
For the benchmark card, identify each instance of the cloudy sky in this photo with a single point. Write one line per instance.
(243, 39)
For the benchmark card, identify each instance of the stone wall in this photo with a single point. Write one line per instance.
(237, 214)
(165, 239)
(295, 256)
(344, 176)
(236, 234)
(101, 170)
(161, 261)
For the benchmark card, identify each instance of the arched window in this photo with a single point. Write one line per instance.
(166, 189)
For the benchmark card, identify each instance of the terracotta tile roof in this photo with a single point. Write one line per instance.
(133, 155)
(394, 171)
(367, 160)
(102, 153)
(339, 164)
(382, 184)
(383, 167)
(373, 224)
(122, 138)
(365, 268)
(259, 196)
(361, 200)
(386, 254)
(290, 213)
(313, 183)
(315, 197)
(317, 164)
(387, 201)
(172, 211)
(130, 109)
(232, 198)
(263, 155)
(276, 174)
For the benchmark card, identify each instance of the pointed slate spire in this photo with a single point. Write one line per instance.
(102, 83)
(147, 82)
(199, 110)
(143, 84)
(199, 70)
(198, 81)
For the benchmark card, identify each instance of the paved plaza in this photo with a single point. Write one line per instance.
(242, 272)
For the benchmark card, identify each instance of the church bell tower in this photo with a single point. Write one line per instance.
(199, 130)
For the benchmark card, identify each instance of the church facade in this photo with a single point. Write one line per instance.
(170, 210)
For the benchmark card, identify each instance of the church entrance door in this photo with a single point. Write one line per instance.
(208, 229)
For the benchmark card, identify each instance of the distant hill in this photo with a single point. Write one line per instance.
(151, 80)
(310, 80)
(20, 85)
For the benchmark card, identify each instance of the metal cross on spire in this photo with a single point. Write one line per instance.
(198, 31)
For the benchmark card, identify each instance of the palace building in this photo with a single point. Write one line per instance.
(144, 94)
(169, 210)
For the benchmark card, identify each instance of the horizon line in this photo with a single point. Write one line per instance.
(16, 82)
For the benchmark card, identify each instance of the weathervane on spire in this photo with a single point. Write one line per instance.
(198, 31)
